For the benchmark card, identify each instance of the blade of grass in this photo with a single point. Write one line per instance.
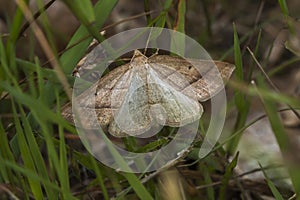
(63, 158)
(11, 58)
(41, 110)
(282, 66)
(82, 9)
(51, 150)
(242, 40)
(153, 145)
(228, 174)
(283, 7)
(130, 143)
(5, 154)
(46, 73)
(135, 183)
(281, 136)
(53, 157)
(105, 28)
(137, 186)
(266, 93)
(8, 60)
(240, 131)
(285, 11)
(99, 177)
(34, 150)
(206, 173)
(241, 102)
(3, 62)
(30, 174)
(90, 163)
(70, 58)
(271, 185)
(16, 25)
(206, 5)
(178, 40)
(147, 9)
(160, 20)
(54, 163)
(45, 46)
(26, 155)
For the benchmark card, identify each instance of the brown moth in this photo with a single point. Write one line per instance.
(159, 89)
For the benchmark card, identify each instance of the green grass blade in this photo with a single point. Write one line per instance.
(42, 111)
(285, 11)
(227, 176)
(26, 155)
(271, 185)
(5, 154)
(82, 9)
(137, 186)
(153, 145)
(63, 158)
(281, 137)
(178, 40)
(160, 21)
(71, 57)
(283, 7)
(241, 102)
(207, 173)
(99, 176)
(55, 165)
(276, 124)
(34, 150)
(16, 25)
(45, 73)
(33, 176)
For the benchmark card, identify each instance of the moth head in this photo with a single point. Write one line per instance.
(138, 58)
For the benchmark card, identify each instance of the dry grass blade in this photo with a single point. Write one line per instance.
(45, 46)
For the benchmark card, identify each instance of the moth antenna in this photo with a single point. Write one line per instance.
(147, 42)
(155, 54)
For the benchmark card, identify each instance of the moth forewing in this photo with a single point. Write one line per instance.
(210, 82)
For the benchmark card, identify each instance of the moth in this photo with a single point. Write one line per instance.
(160, 89)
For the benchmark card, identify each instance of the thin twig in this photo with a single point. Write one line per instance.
(269, 80)
(35, 16)
(239, 176)
(104, 29)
